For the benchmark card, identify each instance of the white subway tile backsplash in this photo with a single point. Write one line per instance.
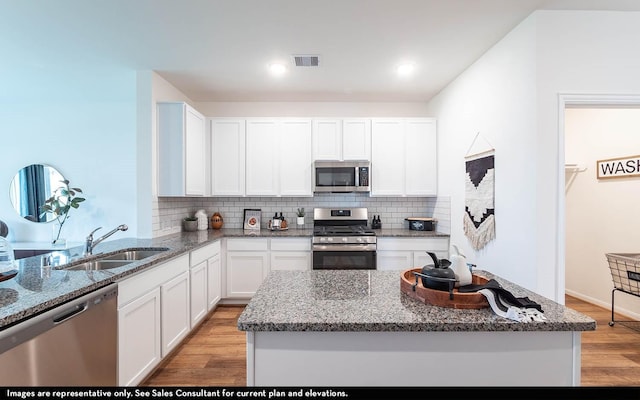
(168, 212)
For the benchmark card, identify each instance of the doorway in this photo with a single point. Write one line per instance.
(598, 214)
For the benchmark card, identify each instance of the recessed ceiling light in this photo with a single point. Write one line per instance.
(277, 69)
(405, 69)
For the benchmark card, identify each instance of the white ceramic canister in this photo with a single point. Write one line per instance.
(203, 220)
(460, 267)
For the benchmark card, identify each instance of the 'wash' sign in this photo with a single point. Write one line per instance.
(621, 167)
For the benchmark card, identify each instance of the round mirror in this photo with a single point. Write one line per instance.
(31, 187)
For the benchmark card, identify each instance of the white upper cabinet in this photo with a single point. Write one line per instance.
(387, 157)
(227, 157)
(342, 139)
(356, 139)
(403, 157)
(421, 157)
(278, 157)
(263, 147)
(295, 158)
(181, 150)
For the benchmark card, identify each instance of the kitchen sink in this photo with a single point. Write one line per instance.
(97, 265)
(134, 254)
(117, 259)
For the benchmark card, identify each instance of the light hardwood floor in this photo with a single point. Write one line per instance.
(214, 353)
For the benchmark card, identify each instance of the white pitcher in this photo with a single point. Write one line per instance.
(460, 267)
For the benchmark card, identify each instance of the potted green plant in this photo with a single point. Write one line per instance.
(300, 218)
(190, 224)
(59, 204)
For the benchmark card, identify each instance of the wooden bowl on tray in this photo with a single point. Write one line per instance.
(411, 285)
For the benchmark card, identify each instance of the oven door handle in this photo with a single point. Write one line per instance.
(345, 247)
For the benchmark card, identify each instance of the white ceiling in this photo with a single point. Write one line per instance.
(218, 50)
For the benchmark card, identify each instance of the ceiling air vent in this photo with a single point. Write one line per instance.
(306, 61)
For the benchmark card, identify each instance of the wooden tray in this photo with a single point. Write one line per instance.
(441, 298)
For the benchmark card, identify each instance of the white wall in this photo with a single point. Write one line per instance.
(579, 53)
(601, 215)
(511, 96)
(495, 97)
(84, 124)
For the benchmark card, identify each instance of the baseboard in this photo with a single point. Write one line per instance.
(619, 310)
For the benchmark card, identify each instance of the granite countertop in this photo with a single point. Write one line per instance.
(352, 300)
(36, 288)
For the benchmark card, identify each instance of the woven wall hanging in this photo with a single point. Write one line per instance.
(479, 216)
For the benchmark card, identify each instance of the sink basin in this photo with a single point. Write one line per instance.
(117, 259)
(134, 254)
(97, 265)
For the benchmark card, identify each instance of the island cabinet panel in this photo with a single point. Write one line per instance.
(181, 150)
(247, 266)
(404, 253)
(413, 359)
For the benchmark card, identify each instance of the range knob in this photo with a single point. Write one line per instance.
(345, 239)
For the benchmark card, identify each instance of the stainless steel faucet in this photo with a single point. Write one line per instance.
(90, 243)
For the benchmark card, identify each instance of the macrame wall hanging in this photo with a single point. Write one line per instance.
(479, 216)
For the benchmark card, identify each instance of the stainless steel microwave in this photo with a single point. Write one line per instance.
(342, 176)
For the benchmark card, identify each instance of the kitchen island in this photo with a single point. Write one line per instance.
(356, 328)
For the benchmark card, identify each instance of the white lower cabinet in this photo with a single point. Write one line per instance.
(404, 253)
(138, 338)
(198, 282)
(153, 317)
(393, 260)
(206, 285)
(174, 311)
(292, 254)
(247, 266)
(214, 280)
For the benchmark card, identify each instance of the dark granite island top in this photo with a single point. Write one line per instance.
(352, 300)
(356, 328)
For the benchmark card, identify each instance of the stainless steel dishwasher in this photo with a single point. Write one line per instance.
(74, 344)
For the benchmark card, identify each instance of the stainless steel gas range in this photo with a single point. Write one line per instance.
(342, 240)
